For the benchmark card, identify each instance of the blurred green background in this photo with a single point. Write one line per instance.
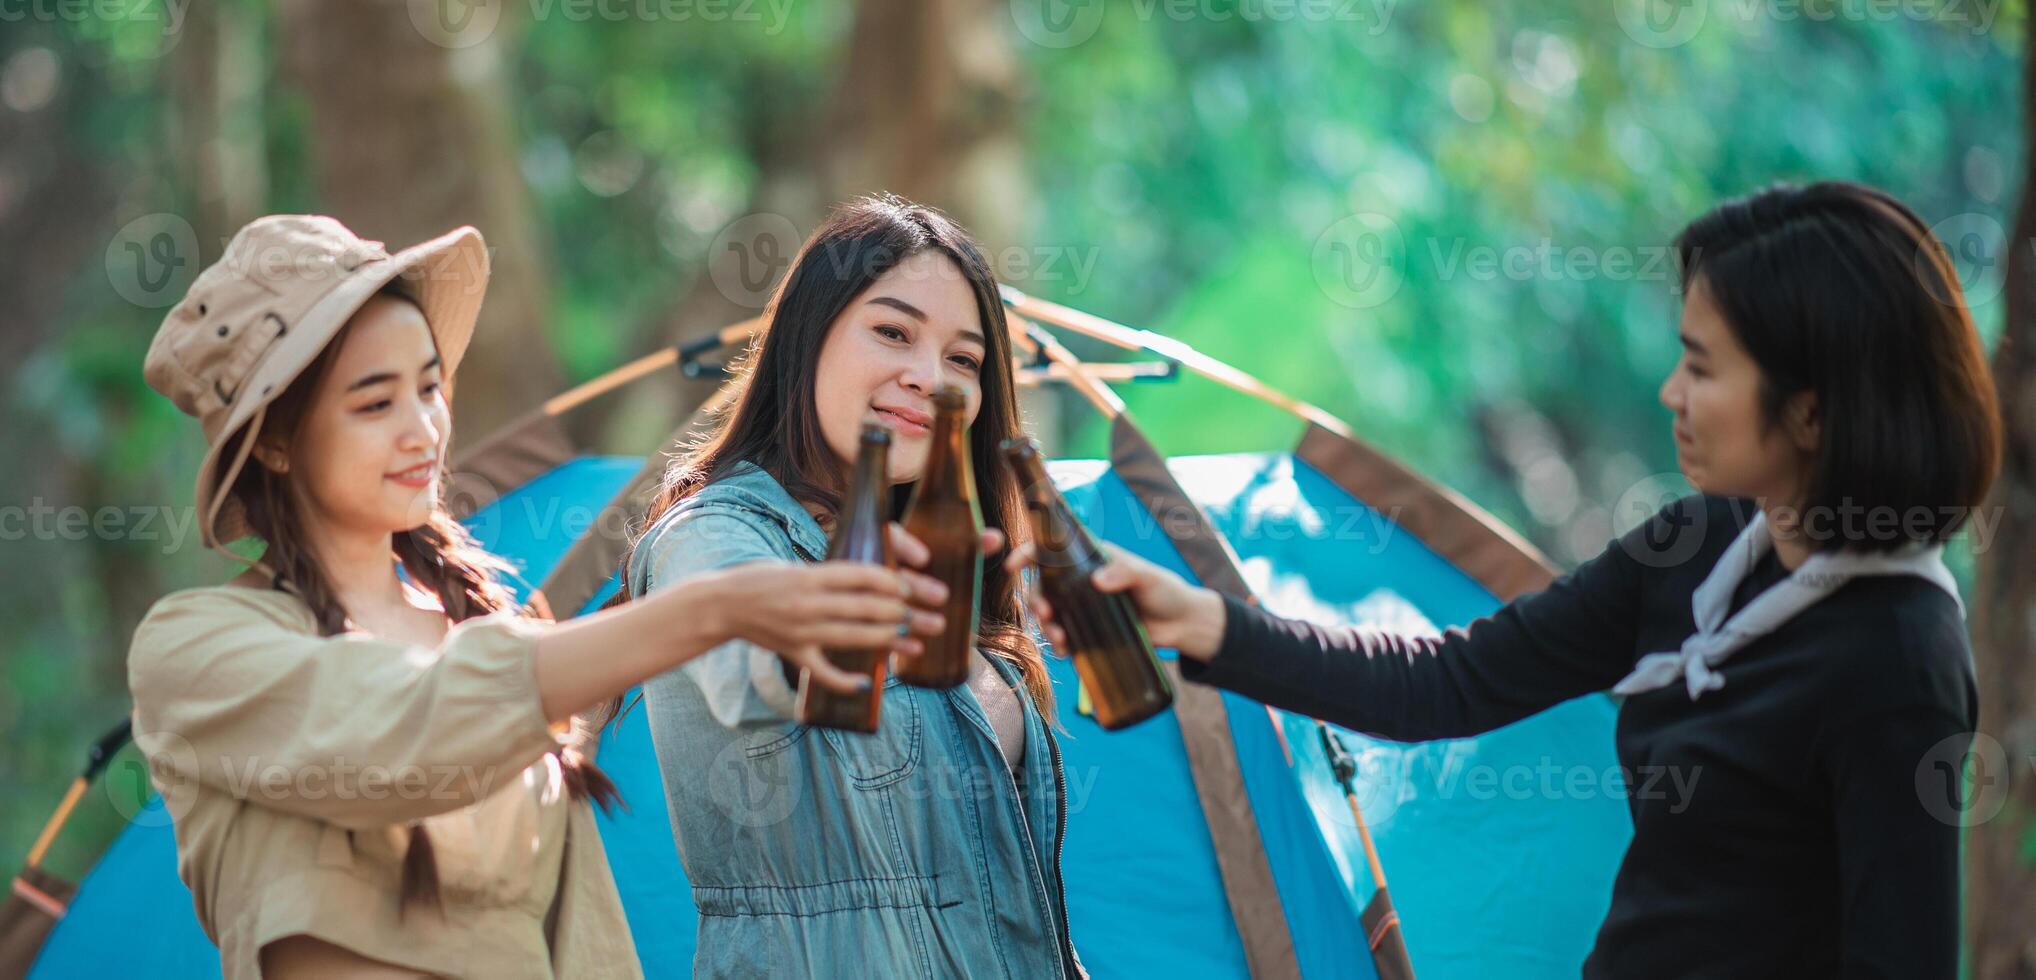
(1412, 214)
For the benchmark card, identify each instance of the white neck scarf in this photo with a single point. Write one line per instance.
(1822, 574)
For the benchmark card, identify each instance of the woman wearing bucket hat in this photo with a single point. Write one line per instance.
(371, 775)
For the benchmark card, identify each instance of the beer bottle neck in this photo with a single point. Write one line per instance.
(949, 472)
(1058, 538)
(865, 510)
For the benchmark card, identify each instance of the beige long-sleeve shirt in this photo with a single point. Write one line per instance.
(293, 765)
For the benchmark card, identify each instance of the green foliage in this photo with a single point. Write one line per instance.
(1203, 164)
(1208, 160)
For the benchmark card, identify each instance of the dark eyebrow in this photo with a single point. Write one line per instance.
(902, 306)
(1695, 348)
(381, 376)
(920, 315)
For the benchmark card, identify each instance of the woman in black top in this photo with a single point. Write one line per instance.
(1794, 809)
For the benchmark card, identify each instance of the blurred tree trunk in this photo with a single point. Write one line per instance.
(58, 209)
(411, 139)
(216, 76)
(928, 109)
(2000, 907)
(925, 108)
(58, 212)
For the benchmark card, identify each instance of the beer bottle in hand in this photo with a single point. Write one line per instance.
(860, 534)
(944, 514)
(1104, 634)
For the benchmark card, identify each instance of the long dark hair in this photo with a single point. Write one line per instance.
(439, 555)
(1841, 290)
(773, 421)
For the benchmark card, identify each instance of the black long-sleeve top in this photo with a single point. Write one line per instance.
(1814, 834)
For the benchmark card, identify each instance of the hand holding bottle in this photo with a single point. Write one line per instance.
(800, 610)
(1188, 618)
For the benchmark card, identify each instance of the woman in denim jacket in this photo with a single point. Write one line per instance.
(931, 848)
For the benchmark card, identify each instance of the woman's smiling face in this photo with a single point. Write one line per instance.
(913, 330)
(366, 455)
(1722, 443)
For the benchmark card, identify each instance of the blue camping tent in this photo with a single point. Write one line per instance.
(1213, 841)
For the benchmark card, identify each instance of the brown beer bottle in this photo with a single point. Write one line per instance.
(859, 535)
(944, 514)
(1105, 637)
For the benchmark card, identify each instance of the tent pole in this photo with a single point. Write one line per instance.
(1381, 921)
(56, 821)
(1241, 857)
(580, 394)
(95, 760)
(1129, 338)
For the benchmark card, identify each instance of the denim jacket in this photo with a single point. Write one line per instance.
(912, 852)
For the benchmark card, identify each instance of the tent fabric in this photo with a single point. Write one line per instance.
(1507, 879)
(1211, 841)
(1145, 891)
(131, 913)
(1505, 886)
(1452, 526)
(1254, 899)
(520, 452)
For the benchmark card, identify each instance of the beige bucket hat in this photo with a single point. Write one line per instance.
(259, 316)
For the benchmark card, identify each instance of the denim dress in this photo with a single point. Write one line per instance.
(912, 852)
